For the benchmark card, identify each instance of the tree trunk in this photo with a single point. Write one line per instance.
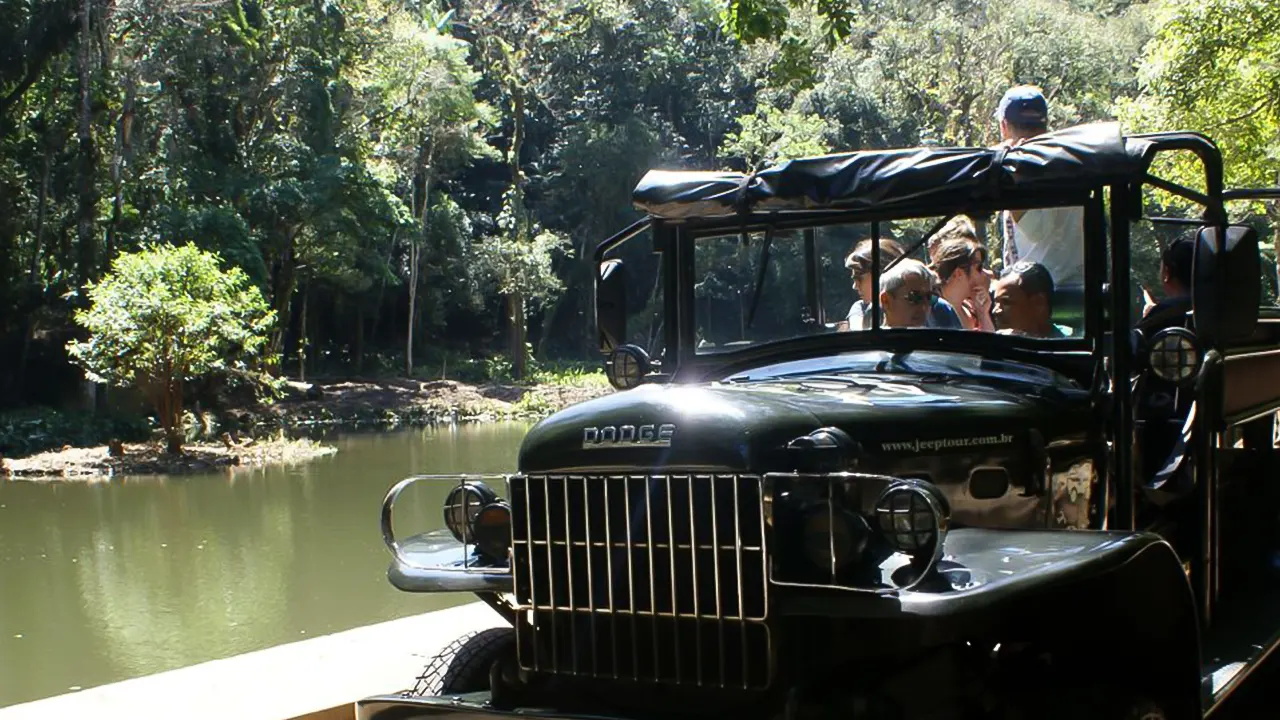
(415, 256)
(174, 438)
(302, 335)
(33, 271)
(515, 314)
(359, 358)
(88, 199)
(123, 126)
(515, 302)
(168, 402)
(281, 300)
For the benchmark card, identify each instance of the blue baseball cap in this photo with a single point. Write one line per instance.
(1024, 105)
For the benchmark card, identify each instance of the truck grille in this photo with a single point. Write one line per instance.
(652, 578)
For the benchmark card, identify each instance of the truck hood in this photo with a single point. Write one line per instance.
(745, 427)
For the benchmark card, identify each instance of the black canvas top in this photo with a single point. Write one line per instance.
(1075, 158)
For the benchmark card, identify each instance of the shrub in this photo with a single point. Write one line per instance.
(166, 315)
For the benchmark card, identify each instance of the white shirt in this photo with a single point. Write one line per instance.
(1053, 237)
(857, 316)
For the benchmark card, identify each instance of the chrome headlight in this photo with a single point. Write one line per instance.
(627, 366)
(913, 518)
(463, 505)
(834, 537)
(492, 530)
(1173, 355)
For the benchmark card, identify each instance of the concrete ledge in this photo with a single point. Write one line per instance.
(316, 679)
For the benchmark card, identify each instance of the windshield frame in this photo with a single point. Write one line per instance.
(708, 365)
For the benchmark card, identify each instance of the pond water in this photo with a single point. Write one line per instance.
(101, 582)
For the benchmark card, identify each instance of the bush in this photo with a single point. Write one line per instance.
(166, 315)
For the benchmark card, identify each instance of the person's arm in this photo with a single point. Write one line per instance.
(1148, 304)
(981, 315)
(981, 303)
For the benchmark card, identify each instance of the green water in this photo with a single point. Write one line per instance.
(101, 582)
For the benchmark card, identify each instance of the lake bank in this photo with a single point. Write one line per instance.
(256, 433)
(149, 458)
(397, 402)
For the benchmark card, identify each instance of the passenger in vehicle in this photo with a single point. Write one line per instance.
(1052, 237)
(906, 294)
(1024, 301)
(959, 260)
(1175, 282)
(859, 264)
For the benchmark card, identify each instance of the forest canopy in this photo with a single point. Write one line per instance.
(410, 181)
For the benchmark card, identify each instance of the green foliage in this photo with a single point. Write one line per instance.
(35, 430)
(166, 315)
(569, 374)
(1213, 66)
(753, 20)
(403, 168)
(772, 134)
(519, 260)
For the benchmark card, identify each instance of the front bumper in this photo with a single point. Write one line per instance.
(435, 561)
(473, 706)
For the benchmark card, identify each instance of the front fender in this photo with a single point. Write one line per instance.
(1118, 603)
(985, 568)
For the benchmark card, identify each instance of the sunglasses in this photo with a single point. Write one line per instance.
(915, 297)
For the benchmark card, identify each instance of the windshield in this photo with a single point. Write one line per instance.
(920, 362)
(1014, 272)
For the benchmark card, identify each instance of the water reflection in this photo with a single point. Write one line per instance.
(106, 581)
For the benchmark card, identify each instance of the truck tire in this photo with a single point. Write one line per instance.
(463, 666)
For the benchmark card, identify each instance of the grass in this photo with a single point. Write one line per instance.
(497, 369)
(571, 375)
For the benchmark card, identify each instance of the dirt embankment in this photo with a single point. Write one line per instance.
(393, 402)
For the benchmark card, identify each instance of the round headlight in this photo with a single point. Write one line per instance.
(1173, 355)
(626, 367)
(912, 519)
(492, 530)
(462, 505)
(834, 538)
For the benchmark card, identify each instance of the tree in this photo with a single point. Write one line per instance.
(1212, 66)
(773, 134)
(430, 122)
(166, 315)
(752, 20)
(506, 39)
(518, 263)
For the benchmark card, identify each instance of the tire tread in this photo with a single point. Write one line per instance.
(463, 665)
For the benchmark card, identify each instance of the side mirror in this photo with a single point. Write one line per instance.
(1226, 284)
(611, 305)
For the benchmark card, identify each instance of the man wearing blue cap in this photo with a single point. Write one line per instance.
(1052, 237)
